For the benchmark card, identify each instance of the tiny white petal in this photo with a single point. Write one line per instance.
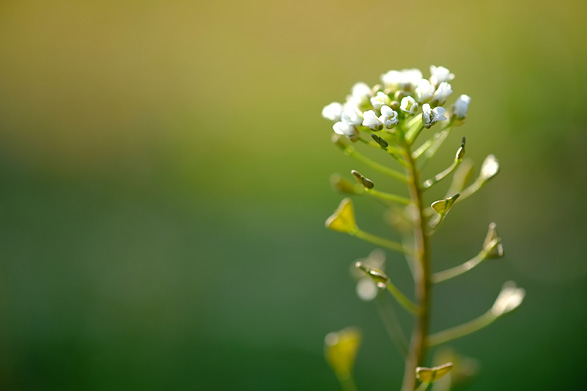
(404, 79)
(440, 74)
(442, 92)
(432, 116)
(371, 121)
(426, 115)
(409, 105)
(437, 114)
(388, 117)
(379, 100)
(360, 94)
(351, 115)
(424, 90)
(332, 112)
(461, 106)
(344, 129)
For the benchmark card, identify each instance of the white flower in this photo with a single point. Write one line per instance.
(388, 117)
(345, 129)
(332, 112)
(508, 300)
(440, 74)
(461, 106)
(351, 115)
(409, 105)
(404, 79)
(442, 92)
(379, 100)
(432, 116)
(371, 121)
(360, 94)
(489, 168)
(424, 90)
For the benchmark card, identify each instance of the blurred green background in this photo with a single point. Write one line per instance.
(164, 179)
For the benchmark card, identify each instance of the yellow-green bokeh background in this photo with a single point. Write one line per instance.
(164, 181)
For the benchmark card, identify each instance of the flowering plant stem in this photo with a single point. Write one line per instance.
(421, 271)
(394, 114)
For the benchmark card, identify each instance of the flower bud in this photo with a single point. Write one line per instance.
(424, 90)
(432, 116)
(461, 106)
(371, 121)
(441, 93)
(408, 105)
(388, 117)
(379, 100)
(332, 112)
(440, 74)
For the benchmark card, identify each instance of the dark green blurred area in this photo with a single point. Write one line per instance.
(164, 182)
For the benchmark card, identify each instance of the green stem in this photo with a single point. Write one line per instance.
(352, 152)
(392, 325)
(402, 299)
(390, 244)
(429, 148)
(421, 271)
(460, 269)
(388, 196)
(462, 330)
(438, 177)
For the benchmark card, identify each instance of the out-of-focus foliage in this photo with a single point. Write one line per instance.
(164, 178)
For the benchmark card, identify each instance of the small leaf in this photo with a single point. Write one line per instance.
(340, 349)
(430, 375)
(461, 176)
(443, 206)
(343, 219)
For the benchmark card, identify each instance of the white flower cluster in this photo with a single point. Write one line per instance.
(402, 94)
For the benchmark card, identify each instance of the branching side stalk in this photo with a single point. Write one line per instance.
(421, 271)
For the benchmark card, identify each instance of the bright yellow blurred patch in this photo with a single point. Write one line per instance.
(430, 375)
(341, 349)
(343, 219)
